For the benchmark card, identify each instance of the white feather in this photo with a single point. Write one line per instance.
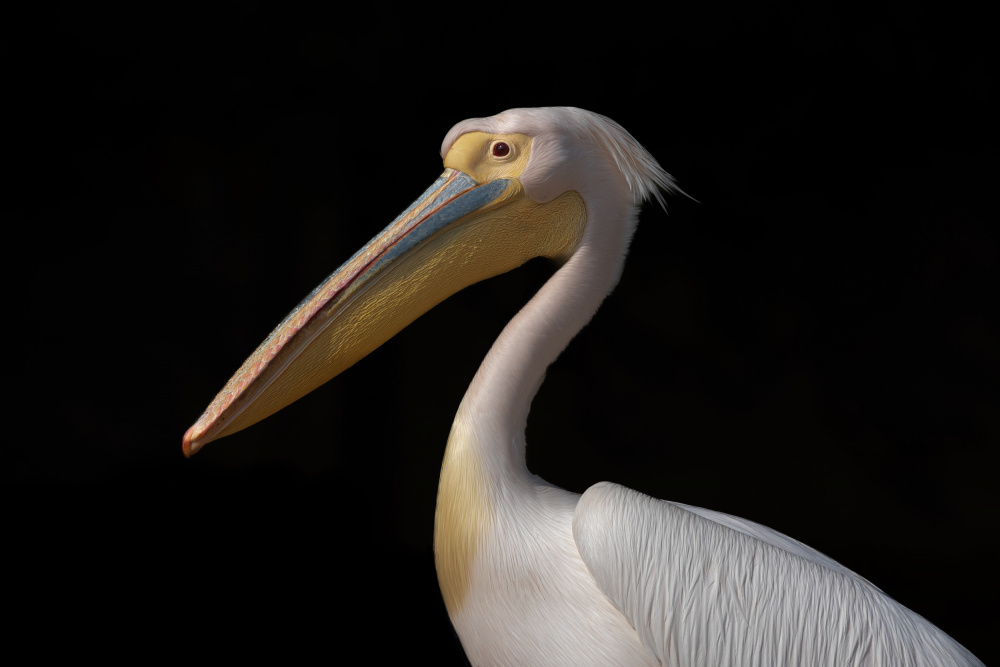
(704, 588)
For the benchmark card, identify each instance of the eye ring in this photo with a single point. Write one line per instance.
(501, 150)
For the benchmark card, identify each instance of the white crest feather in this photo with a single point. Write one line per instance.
(644, 175)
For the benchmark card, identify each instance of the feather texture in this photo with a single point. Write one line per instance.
(704, 588)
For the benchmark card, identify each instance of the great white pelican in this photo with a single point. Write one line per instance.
(532, 574)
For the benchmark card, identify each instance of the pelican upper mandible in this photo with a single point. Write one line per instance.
(532, 574)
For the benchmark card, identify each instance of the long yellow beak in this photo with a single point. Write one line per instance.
(457, 233)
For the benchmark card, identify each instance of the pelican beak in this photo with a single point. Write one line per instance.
(457, 233)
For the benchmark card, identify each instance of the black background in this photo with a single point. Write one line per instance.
(811, 344)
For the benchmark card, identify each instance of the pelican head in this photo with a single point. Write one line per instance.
(522, 184)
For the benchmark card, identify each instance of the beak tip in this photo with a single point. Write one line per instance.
(190, 445)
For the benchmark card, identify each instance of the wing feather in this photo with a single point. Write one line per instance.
(705, 588)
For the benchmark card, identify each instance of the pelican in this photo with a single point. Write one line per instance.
(532, 574)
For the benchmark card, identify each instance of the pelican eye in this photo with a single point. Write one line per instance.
(500, 149)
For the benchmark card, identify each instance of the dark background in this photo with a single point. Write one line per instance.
(811, 344)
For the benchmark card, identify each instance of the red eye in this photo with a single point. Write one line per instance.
(501, 149)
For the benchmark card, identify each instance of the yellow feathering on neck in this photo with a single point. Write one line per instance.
(463, 518)
(465, 507)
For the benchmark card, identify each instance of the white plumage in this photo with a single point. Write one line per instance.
(688, 586)
(536, 575)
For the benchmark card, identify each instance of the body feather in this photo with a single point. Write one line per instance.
(705, 588)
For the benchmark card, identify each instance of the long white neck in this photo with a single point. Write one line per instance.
(485, 453)
(496, 405)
